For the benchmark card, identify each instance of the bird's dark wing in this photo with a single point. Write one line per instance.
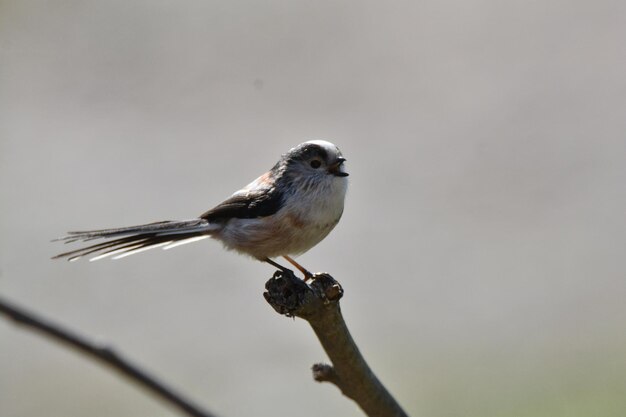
(246, 205)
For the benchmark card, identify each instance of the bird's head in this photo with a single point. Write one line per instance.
(315, 159)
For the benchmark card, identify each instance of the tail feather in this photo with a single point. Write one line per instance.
(168, 226)
(130, 240)
(115, 244)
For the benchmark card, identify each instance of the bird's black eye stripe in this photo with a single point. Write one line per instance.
(316, 163)
(310, 150)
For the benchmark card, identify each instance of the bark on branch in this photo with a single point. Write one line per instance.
(105, 355)
(318, 304)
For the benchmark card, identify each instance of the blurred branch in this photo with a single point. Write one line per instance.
(319, 305)
(104, 355)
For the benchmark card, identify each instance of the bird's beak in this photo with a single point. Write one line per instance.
(336, 168)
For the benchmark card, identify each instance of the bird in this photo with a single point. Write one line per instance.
(283, 213)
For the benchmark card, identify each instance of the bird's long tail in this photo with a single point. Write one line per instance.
(127, 241)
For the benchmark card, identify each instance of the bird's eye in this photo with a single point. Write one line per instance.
(316, 163)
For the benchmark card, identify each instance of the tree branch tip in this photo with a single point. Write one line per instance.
(327, 287)
(323, 372)
(293, 297)
(285, 292)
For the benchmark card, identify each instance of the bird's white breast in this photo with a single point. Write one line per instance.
(307, 216)
(320, 205)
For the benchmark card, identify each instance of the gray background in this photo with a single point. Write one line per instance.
(483, 244)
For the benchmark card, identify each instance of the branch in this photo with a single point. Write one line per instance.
(319, 305)
(104, 355)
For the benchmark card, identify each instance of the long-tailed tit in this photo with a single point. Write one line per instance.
(284, 212)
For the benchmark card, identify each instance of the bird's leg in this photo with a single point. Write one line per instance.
(277, 265)
(305, 272)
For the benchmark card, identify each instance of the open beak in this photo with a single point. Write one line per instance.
(336, 168)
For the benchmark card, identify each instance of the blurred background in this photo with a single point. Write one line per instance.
(482, 248)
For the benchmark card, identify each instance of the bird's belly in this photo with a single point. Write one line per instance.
(272, 236)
